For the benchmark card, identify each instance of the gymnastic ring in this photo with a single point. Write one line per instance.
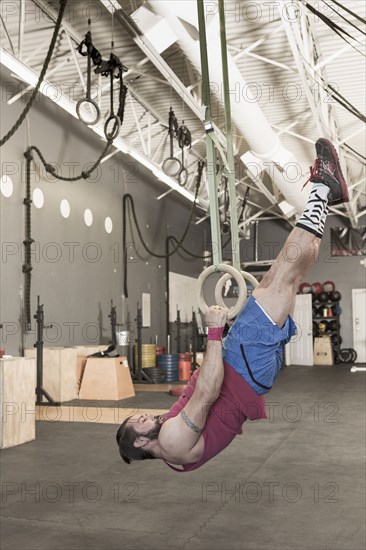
(183, 177)
(221, 283)
(116, 127)
(232, 273)
(169, 163)
(78, 111)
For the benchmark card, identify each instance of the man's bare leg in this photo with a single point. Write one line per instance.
(276, 292)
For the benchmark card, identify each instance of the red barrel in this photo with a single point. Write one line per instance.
(185, 356)
(184, 370)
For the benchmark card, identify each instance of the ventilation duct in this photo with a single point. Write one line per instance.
(267, 152)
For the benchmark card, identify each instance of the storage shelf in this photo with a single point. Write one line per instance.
(324, 318)
(329, 333)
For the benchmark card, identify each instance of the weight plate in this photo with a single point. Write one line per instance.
(155, 370)
(346, 355)
(171, 373)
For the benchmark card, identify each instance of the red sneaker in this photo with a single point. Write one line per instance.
(327, 170)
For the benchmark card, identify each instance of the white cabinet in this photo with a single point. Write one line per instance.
(300, 350)
(359, 323)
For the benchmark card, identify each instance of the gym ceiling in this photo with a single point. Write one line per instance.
(301, 63)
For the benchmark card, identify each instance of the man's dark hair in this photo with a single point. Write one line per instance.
(125, 437)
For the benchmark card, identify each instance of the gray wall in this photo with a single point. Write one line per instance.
(77, 290)
(77, 269)
(347, 272)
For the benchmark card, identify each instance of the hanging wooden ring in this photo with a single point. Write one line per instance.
(231, 272)
(223, 280)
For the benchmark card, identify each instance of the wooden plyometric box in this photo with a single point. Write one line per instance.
(106, 378)
(82, 353)
(18, 380)
(323, 351)
(59, 372)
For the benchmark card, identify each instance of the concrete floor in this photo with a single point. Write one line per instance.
(146, 400)
(292, 482)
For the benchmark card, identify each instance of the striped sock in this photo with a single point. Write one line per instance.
(313, 219)
(323, 219)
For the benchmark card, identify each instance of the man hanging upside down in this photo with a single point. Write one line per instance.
(228, 389)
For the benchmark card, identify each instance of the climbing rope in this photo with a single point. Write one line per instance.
(112, 68)
(337, 29)
(85, 174)
(27, 265)
(128, 203)
(41, 76)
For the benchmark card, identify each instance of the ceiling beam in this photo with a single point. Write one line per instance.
(64, 102)
(333, 125)
(336, 54)
(21, 30)
(293, 134)
(270, 61)
(77, 37)
(162, 66)
(243, 51)
(303, 41)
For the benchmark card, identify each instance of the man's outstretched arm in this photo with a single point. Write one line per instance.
(211, 374)
(180, 438)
